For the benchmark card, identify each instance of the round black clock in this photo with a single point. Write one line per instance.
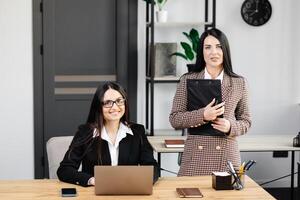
(256, 12)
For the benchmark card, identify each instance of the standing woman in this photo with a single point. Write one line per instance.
(206, 153)
(106, 139)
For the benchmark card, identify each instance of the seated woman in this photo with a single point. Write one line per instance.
(106, 139)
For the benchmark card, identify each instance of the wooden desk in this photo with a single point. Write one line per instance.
(247, 143)
(163, 189)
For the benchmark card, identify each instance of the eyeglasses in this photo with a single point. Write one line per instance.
(110, 103)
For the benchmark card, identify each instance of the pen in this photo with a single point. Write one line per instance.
(248, 163)
(253, 162)
(242, 168)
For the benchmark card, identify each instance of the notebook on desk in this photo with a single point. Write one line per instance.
(174, 143)
(120, 180)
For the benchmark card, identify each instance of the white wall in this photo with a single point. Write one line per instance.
(16, 86)
(267, 56)
(296, 48)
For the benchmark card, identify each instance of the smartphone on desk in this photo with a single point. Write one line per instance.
(68, 192)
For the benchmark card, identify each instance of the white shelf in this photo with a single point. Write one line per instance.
(164, 79)
(167, 78)
(179, 24)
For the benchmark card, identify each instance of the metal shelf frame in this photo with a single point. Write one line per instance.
(150, 79)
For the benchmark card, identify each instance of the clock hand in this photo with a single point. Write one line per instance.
(256, 5)
(252, 13)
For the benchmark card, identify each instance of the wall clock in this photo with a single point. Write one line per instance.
(256, 12)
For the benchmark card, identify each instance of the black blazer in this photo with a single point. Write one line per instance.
(133, 150)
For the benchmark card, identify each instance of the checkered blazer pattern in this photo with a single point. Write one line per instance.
(204, 154)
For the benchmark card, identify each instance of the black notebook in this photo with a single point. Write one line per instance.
(201, 92)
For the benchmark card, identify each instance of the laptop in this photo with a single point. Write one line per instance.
(123, 180)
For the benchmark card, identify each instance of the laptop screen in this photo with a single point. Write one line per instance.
(117, 180)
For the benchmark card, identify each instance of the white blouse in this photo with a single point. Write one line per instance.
(208, 76)
(114, 148)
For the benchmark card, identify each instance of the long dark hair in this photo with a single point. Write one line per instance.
(96, 120)
(95, 117)
(200, 62)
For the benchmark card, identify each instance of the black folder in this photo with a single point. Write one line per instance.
(201, 92)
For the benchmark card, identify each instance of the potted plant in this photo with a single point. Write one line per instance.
(161, 14)
(190, 49)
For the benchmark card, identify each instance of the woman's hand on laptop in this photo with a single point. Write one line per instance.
(91, 181)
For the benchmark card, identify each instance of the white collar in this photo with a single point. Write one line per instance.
(125, 129)
(122, 133)
(122, 129)
(208, 76)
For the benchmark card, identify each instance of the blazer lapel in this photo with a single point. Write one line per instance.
(201, 75)
(106, 160)
(124, 149)
(226, 87)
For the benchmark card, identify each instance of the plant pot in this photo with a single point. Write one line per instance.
(162, 16)
(191, 67)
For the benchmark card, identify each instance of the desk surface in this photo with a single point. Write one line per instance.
(247, 143)
(163, 189)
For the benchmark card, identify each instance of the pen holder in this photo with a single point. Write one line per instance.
(241, 176)
(239, 182)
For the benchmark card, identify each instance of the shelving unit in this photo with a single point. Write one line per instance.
(178, 24)
(150, 78)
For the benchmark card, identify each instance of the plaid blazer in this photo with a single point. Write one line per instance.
(204, 154)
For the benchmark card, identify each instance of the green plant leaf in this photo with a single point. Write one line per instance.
(187, 50)
(186, 46)
(188, 36)
(195, 46)
(161, 3)
(190, 50)
(190, 55)
(194, 34)
(180, 55)
(195, 39)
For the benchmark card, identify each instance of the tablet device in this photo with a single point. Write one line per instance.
(201, 92)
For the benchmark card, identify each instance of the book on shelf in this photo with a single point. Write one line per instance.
(174, 143)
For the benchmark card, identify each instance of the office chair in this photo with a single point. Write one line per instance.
(56, 149)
